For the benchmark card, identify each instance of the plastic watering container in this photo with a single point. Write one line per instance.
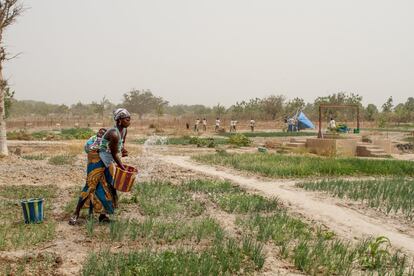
(124, 179)
(32, 210)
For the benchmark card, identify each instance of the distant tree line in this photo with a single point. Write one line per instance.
(273, 107)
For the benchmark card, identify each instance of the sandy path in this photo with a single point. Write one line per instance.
(345, 222)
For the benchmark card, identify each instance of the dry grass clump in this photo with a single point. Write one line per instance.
(75, 147)
(31, 264)
(134, 150)
(62, 159)
(39, 156)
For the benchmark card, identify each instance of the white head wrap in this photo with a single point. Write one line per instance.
(121, 113)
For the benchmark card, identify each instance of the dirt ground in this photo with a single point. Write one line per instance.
(71, 249)
(349, 220)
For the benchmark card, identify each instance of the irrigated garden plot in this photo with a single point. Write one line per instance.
(391, 196)
(182, 239)
(284, 166)
(273, 134)
(177, 222)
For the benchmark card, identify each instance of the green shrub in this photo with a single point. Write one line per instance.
(64, 134)
(200, 142)
(239, 140)
(194, 140)
(34, 157)
(204, 142)
(76, 133)
(42, 135)
(19, 135)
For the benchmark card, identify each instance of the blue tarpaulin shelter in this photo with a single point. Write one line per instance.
(304, 122)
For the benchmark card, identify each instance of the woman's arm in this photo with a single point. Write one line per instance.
(113, 146)
(124, 151)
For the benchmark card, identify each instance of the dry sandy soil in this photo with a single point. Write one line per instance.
(69, 247)
(349, 220)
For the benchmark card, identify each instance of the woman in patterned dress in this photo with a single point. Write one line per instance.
(98, 194)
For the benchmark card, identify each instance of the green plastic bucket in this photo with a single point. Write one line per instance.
(32, 210)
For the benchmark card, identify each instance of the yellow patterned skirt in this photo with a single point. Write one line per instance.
(98, 193)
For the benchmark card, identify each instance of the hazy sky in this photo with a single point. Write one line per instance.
(193, 51)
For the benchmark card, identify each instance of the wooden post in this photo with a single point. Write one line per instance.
(358, 117)
(320, 122)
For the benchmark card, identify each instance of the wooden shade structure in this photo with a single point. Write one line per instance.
(326, 106)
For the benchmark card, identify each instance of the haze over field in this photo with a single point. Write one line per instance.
(212, 51)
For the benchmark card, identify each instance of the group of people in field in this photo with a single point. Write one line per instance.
(104, 151)
(233, 125)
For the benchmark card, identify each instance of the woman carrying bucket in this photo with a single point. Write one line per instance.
(98, 193)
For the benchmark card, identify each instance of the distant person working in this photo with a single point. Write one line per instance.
(217, 127)
(291, 124)
(196, 125)
(332, 124)
(233, 124)
(252, 124)
(204, 124)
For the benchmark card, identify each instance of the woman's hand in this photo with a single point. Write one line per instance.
(124, 152)
(121, 166)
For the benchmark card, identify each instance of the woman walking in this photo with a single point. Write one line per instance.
(98, 193)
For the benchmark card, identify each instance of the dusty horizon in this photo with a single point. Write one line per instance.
(192, 52)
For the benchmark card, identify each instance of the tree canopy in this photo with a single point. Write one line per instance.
(142, 102)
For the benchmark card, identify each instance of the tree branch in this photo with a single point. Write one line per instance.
(12, 57)
(9, 11)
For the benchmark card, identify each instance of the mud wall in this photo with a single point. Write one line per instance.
(332, 147)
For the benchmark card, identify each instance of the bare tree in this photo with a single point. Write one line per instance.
(9, 11)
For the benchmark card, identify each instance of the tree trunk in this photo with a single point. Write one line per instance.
(3, 137)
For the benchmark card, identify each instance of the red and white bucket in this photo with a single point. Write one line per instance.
(124, 179)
